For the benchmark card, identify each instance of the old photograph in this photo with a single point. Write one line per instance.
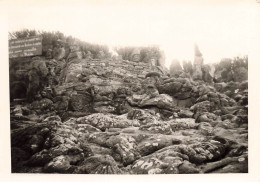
(142, 87)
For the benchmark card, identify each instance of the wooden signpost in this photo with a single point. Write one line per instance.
(31, 46)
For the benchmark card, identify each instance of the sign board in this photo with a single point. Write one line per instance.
(31, 46)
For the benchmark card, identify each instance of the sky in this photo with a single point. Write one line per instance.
(222, 29)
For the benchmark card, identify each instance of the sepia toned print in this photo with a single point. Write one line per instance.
(92, 107)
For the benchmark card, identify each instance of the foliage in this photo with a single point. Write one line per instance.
(231, 64)
(22, 34)
(50, 38)
(146, 53)
(235, 69)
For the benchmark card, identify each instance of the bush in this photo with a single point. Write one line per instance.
(50, 38)
(146, 53)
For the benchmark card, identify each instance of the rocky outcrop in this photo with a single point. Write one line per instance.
(98, 164)
(197, 64)
(103, 122)
(135, 143)
(114, 116)
(179, 158)
(187, 67)
(175, 68)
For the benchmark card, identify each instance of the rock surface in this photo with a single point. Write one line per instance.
(115, 116)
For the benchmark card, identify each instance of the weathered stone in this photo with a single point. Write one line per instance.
(62, 104)
(157, 127)
(18, 90)
(146, 122)
(73, 70)
(182, 124)
(188, 168)
(143, 116)
(98, 164)
(206, 74)
(206, 129)
(62, 164)
(187, 67)
(125, 146)
(185, 114)
(154, 143)
(161, 101)
(80, 102)
(58, 53)
(30, 138)
(175, 68)
(104, 121)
